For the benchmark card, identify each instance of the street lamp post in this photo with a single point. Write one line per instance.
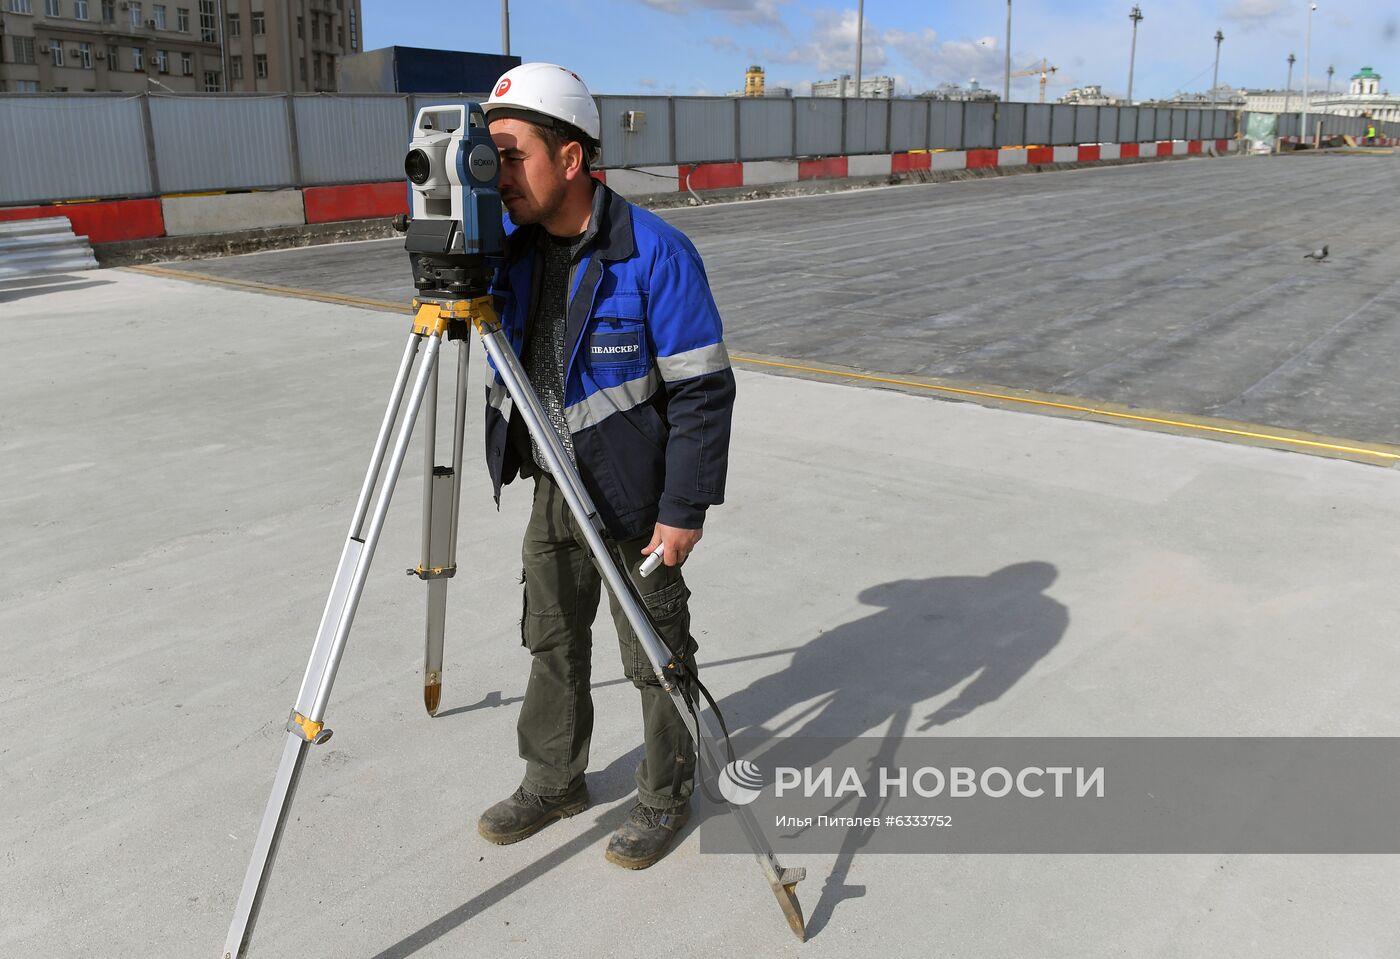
(1307, 61)
(505, 27)
(1327, 104)
(1288, 87)
(1215, 81)
(860, 40)
(1136, 17)
(1006, 83)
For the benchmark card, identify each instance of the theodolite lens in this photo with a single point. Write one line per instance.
(418, 167)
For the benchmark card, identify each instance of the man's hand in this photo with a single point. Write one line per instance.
(677, 543)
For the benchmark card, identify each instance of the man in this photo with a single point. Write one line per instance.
(610, 311)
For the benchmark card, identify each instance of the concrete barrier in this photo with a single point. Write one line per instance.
(231, 212)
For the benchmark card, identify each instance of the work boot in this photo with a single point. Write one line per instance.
(524, 814)
(643, 838)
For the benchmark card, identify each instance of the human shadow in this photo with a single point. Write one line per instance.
(928, 636)
(866, 677)
(18, 289)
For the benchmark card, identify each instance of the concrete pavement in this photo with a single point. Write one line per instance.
(179, 466)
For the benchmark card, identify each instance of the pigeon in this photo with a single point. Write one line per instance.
(1318, 255)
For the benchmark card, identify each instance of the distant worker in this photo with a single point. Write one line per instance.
(1371, 133)
(610, 310)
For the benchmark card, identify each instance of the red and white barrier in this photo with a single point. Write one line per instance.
(116, 220)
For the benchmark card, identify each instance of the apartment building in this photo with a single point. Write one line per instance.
(290, 45)
(74, 46)
(176, 46)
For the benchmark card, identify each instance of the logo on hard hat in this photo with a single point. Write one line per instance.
(503, 86)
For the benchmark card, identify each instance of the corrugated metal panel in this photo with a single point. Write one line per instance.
(648, 146)
(1011, 125)
(818, 126)
(1127, 124)
(945, 125)
(1108, 124)
(866, 126)
(1178, 125)
(1147, 124)
(1164, 125)
(979, 126)
(56, 148)
(1086, 124)
(351, 139)
(1062, 124)
(1038, 124)
(908, 125)
(765, 127)
(221, 143)
(705, 130)
(1193, 124)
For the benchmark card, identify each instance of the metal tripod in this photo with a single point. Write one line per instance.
(437, 320)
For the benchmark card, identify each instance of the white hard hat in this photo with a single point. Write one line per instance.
(547, 89)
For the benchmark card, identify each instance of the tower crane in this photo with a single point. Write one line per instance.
(1044, 70)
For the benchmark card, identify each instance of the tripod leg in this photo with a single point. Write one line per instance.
(782, 881)
(442, 495)
(306, 724)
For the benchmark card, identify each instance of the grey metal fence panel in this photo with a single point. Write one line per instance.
(1011, 125)
(1108, 124)
(1147, 124)
(945, 125)
(351, 139)
(818, 126)
(1178, 130)
(705, 130)
(1086, 124)
(1062, 124)
(222, 143)
(1038, 124)
(58, 148)
(649, 145)
(908, 125)
(1193, 124)
(1127, 124)
(765, 127)
(979, 126)
(1164, 125)
(866, 126)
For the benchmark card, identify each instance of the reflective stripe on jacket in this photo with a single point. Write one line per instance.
(648, 390)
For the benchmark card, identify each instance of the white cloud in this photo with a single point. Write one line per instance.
(948, 61)
(831, 46)
(739, 11)
(1255, 12)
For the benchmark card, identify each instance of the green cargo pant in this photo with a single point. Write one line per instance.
(562, 589)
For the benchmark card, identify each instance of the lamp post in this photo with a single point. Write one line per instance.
(1288, 87)
(1307, 61)
(1327, 104)
(860, 40)
(1136, 17)
(1006, 71)
(505, 27)
(1215, 81)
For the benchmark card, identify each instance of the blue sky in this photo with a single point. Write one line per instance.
(702, 46)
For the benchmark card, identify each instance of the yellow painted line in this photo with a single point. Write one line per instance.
(1302, 441)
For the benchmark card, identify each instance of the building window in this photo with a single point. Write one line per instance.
(354, 30)
(85, 55)
(212, 82)
(53, 8)
(340, 37)
(260, 66)
(303, 69)
(138, 58)
(182, 19)
(208, 22)
(301, 28)
(56, 52)
(259, 23)
(114, 57)
(26, 86)
(186, 65)
(235, 68)
(133, 13)
(20, 6)
(23, 49)
(235, 26)
(80, 9)
(316, 67)
(315, 25)
(163, 61)
(158, 14)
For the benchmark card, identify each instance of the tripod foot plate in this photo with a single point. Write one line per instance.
(432, 697)
(785, 889)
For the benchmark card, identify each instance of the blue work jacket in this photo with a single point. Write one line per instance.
(648, 389)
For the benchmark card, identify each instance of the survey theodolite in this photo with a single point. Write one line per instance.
(454, 232)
